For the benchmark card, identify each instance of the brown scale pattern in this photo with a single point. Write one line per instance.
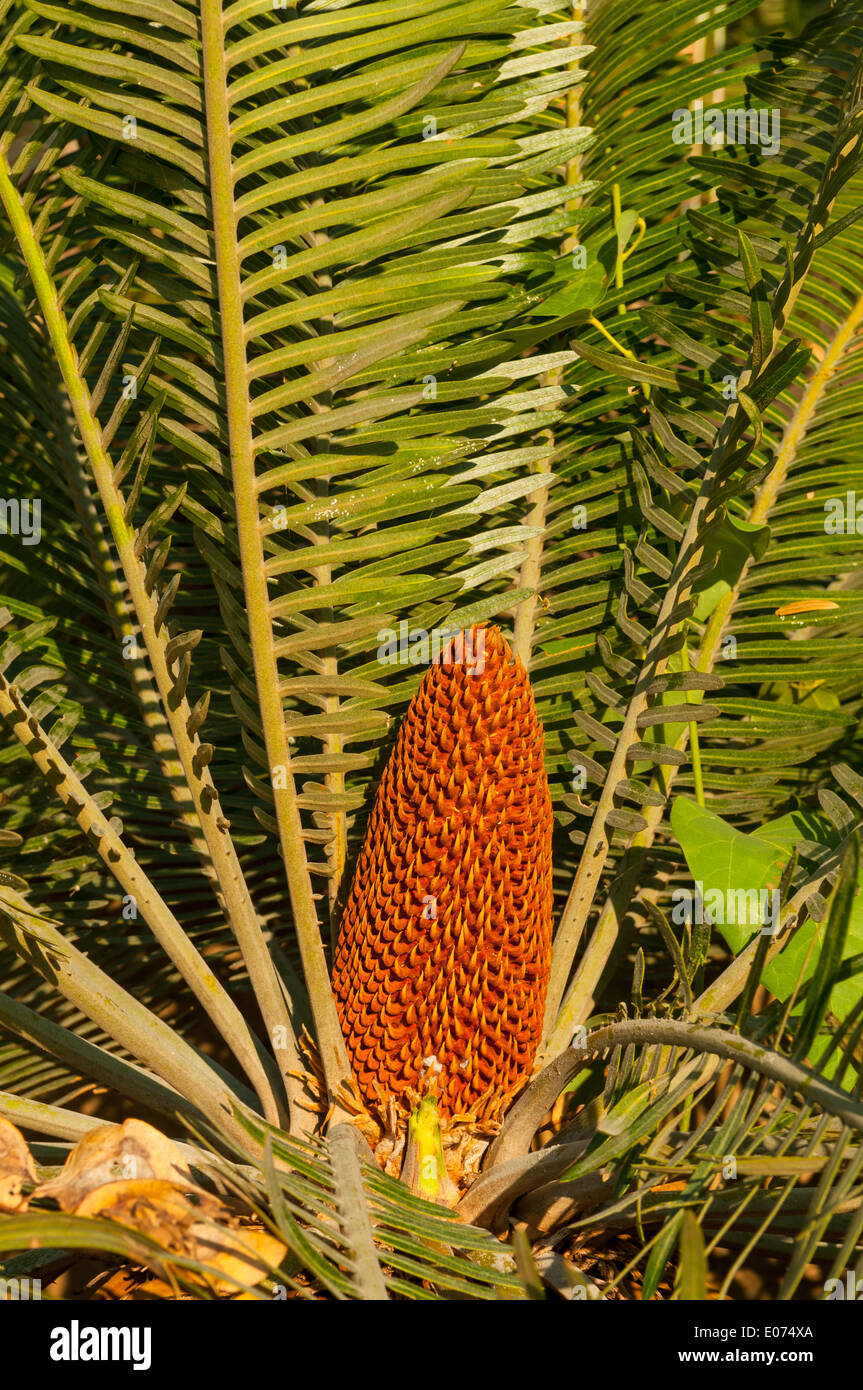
(462, 814)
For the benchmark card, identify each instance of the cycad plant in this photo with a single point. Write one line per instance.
(334, 333)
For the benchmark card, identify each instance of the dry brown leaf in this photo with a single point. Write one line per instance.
(153, 1206)
(16, 1167)
(133, 1151)
(199, 1227)
(134, 1175)
(239, 1255)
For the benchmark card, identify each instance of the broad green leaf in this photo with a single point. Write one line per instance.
(732, 545)
(736, 875)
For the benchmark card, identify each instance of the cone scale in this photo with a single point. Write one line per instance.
(442, 965)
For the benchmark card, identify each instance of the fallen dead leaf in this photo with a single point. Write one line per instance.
(199, 1227)
(16, 1167)
(245, 1255)
(153, 1206)
(112, 1153)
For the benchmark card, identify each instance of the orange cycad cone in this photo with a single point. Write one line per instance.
(442, 965)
